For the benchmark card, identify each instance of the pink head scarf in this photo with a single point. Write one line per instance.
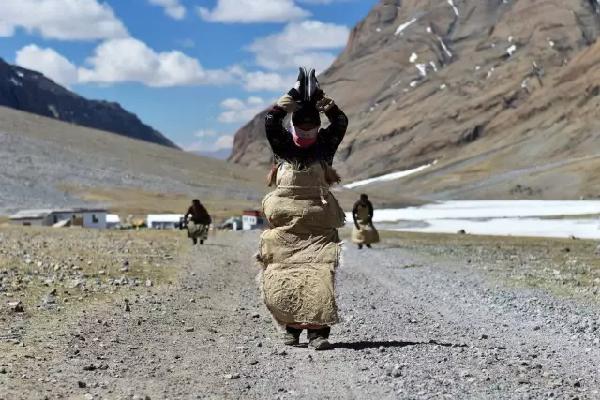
(304, 139)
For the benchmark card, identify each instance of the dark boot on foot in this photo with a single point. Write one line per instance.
(291, 337)
(317, 338)
(360, 246)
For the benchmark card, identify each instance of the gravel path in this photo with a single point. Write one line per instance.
(414, 328)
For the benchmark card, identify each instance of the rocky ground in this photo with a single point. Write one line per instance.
(424, 316)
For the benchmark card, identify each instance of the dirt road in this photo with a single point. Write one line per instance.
(415, 326)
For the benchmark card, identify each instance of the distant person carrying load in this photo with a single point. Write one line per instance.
(198, 223)
(300, 252)
(364, 233)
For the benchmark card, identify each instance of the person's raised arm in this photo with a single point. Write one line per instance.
(332, 136)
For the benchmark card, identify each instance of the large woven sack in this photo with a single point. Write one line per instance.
(197, 231)
(301, 293)
(367, 234)
(300, 252)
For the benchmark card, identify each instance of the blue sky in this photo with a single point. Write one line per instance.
(196, 70)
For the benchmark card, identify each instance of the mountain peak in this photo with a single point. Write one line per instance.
(26, 90)
(464, 82)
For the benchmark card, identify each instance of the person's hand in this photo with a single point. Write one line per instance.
(325, 103)
(288, 103)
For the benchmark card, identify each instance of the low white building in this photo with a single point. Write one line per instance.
(163, 221)
(31, 218)
(112, 221)
(92, 218)
(233, 223)
(252, 219)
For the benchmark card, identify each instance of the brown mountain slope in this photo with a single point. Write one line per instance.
(501, 93)
(46, 163)
(30, 91)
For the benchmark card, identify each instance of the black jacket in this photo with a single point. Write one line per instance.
(325, 147)
(199, 215)
(355, 209)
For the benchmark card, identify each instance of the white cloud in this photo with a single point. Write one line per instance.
(240, 111)
(131, 60)
(204, 133)
(249, 11)
(267, 81)
(223, 142)
(48, 62)
(323, 1)
(215, 143)
(61, 19)
(126, 60)
(300, 43)
(173, 8)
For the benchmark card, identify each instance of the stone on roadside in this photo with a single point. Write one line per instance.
(125, 267)
(16, 306)
(49, 299)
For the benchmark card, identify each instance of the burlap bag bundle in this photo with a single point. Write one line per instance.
(300, 252)
(367, 234)
(197, 231)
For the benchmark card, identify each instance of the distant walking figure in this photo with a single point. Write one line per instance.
(364, 233)
(198, 223)
(300, 252)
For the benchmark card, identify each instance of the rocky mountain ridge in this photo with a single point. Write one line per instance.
(30, 91)
(502, 93)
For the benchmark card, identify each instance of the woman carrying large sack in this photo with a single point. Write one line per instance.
(300, 252)
(198, 223)
(364, 232)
